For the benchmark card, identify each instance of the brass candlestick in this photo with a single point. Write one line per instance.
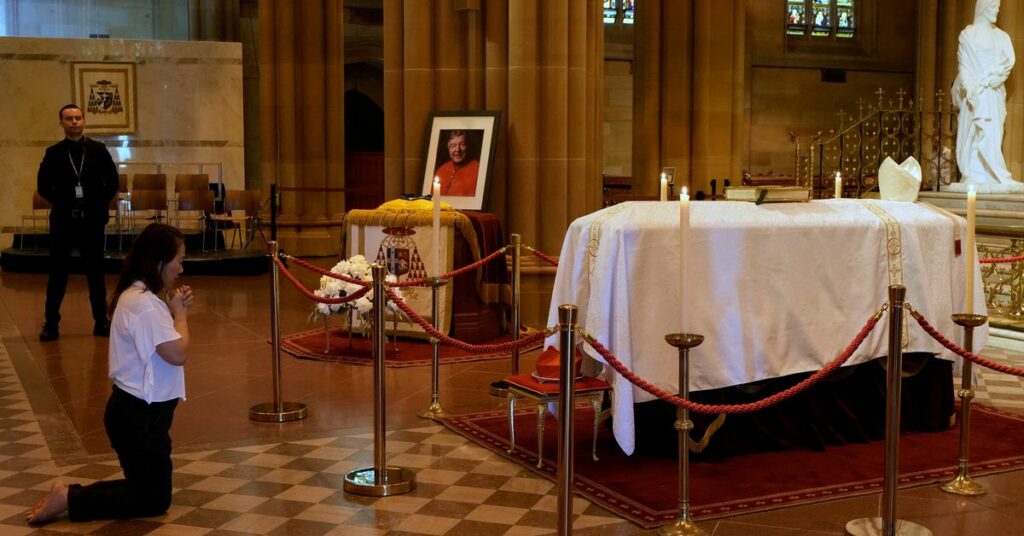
(962, 484)
(683, 524)
(434, 410)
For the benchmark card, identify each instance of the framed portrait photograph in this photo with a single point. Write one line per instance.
(459, 150)
(106, 93)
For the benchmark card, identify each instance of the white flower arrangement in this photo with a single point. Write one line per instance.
(356, 268)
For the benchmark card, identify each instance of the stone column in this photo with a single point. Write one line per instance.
(302, 118)
(648, 109)
(714, 66)
(213, 20)
(689, 93)
(535, 61)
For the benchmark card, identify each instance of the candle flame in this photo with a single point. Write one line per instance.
(437, 180)
(970, 189)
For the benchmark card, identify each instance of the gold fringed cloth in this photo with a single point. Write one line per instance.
(402, 240)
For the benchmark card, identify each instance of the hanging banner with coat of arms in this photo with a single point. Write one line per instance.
(403, 242)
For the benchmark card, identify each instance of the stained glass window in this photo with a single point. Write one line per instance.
(610, 12)
(619, 11)
(845, 23)
(821, 18)
(796, 21)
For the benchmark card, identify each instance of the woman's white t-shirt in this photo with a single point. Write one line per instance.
(141, 322)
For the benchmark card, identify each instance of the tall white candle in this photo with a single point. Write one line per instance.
(839, 186)
(684, 232)
(436, 198)
(972, 199)
(664, 187)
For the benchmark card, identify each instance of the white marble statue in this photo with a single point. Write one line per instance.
(985, 57)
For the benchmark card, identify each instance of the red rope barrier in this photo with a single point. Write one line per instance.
(955, 348)
(328, 273)
(546, 258)
(306, 292)
(526, 341)
(422, 282)
(996, 260)
(736, 408)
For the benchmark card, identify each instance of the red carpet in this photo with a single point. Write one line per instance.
(411, 352)
(645, 490)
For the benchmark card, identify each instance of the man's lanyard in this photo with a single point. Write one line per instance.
(79, 193)
(80, 167)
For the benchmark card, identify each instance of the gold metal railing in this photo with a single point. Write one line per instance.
(895, 128)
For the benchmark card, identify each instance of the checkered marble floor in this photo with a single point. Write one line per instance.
(294, 488)
(995, 388)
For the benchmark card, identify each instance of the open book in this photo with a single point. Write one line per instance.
(767, 194)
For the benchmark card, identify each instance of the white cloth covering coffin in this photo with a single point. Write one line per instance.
(776, 289)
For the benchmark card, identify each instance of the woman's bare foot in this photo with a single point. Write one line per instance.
(50, 506)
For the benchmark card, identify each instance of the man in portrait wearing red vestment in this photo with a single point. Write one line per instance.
(458, 175)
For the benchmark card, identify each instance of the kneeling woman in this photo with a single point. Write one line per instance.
(148, 346)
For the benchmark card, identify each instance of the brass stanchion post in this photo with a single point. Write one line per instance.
(379, 480)
(962, 484)
(434, 410)
(500, 388)
(278, 410)
(566, 404)
(888, 524)
(683, 524)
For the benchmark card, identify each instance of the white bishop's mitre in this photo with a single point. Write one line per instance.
(899, 182)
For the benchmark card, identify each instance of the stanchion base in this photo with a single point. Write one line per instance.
(434, 411)
(499, 389)
(872, 526)
(267, 412)
(396, 481)
(682, 526)
(963, 485)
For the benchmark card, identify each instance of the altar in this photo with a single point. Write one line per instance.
(776, 289)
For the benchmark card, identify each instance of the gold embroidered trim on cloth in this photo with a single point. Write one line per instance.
(893, 253)
(594, 241)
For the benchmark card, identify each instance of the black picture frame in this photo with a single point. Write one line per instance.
(473, 136)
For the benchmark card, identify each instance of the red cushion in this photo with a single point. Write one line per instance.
(528, 383)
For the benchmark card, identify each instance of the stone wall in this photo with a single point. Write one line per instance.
(786, 88)
(189, 106)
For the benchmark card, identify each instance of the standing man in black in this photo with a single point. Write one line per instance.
(78, 177)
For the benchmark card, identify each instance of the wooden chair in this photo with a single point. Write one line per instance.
(40, 213)
(119, 207)
(544, 393)
(146, 200)
(242, 216)
(191, 181)
(195, 206)
(149, 181)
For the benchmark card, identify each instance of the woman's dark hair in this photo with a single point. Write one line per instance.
(155, 246)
